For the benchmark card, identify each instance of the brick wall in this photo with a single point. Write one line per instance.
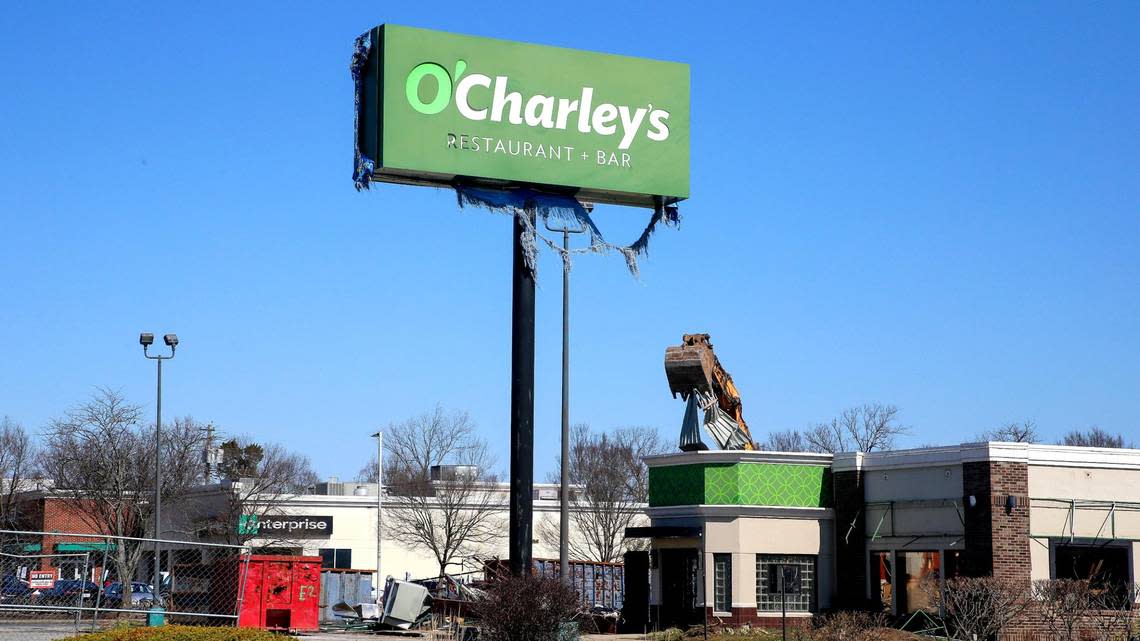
(753, 618)
(997, 537)
(850, 541)
(46, 514)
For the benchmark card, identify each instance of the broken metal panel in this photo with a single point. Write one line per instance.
(690, 428)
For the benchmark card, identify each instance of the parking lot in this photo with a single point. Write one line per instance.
(34, 630)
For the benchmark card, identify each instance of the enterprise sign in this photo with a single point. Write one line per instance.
(287, 526)
(434, 107)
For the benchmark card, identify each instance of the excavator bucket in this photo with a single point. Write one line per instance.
(688, 367)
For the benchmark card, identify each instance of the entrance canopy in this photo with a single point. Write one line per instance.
(662, 532)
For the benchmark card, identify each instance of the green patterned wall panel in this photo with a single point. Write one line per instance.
(785, 485)
(676, 485)
(775, 484)
(722, 484)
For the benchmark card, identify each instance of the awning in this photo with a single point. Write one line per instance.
(662, 532)
(86, 546)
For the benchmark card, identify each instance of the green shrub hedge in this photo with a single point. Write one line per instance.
(180, 633)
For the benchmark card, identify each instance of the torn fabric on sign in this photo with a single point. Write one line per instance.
(519, 202)
(362, 165)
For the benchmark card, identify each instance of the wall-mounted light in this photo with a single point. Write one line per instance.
(972, 501)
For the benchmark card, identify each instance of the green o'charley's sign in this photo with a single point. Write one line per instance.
(434, 107)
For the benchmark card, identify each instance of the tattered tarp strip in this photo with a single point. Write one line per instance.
(521, 202)
(362, 165)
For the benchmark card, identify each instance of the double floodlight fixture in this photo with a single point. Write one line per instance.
(146, 339)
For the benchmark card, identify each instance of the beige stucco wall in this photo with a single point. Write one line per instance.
(1053, 519)
(938, 482)
(915, 519)
(1084, 483)
(745, 537)
(928, 501)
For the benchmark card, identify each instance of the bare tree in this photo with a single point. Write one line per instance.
(861, 429)
(613, 485)
(454, 514)
(979, 608)
(1064, 604)
(257, 480)
(101, 458)
(786, 441)
(17, 467)
(1013, 432)
(1094, 437)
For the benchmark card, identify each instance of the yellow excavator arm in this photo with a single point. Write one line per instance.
(693, 370)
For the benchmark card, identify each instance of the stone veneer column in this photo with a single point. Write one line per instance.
(850, 540)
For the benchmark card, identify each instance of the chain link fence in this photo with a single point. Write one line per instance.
(69, 581)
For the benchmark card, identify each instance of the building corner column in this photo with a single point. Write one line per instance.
(850, 540)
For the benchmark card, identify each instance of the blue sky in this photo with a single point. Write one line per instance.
(931, 205)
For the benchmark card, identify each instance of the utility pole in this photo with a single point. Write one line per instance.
(564, 491)
(379, 436)
(209, 453)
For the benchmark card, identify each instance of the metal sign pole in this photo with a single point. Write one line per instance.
(564, 491)
(379, 436)
(522, 401)
(783, 605)
(103, 575)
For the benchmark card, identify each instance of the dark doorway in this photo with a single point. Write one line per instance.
(679, 577)
(635, 607)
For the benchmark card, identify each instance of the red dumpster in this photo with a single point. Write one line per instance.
(281, 593)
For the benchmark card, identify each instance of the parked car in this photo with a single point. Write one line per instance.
(68, 592)
(13, 588)
(141, 596)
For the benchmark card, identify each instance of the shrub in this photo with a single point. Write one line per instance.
(525, 608)
(180, 633)
(848, 626)
(980, 607)
(669, 634)
(1064, 603)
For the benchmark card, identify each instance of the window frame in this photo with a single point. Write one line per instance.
(794, 604)
(1078, 542)
(725, 598)
(894, 554)
(335, 556)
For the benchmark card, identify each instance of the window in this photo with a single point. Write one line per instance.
(916, 571)
(336, 559)
(883, 580)
(722, 582)
(797, 597)
(1103, 566)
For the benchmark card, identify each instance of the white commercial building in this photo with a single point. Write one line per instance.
(338, 522)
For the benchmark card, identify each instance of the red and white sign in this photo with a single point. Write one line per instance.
(41, 580)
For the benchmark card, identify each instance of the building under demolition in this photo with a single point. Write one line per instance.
(867, 530)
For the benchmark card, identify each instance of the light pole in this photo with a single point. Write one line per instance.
(379, 436)
(146, 340)
(564, 491)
